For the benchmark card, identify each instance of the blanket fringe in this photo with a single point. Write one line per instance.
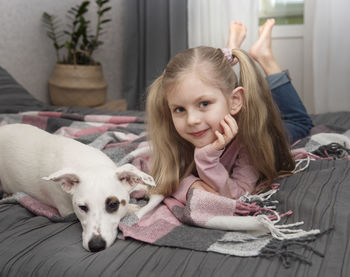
(283, 232)
(264, 209)
(263, 197)
(259, 204)
(299, 167)
(285, 249)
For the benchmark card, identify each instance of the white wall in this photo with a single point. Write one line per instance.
(27, 53)
(288, 48)
(327, 56)
(317, 54)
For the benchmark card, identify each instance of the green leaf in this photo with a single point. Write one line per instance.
(105, 10)
(83, 8)
(105, 21)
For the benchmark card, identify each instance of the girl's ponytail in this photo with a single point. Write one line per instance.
(260, 124)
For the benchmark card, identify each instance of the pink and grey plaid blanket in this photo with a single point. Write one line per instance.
(250, 226)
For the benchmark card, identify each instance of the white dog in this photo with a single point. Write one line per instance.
(70, 176)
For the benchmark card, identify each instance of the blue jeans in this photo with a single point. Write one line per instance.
(296, 120)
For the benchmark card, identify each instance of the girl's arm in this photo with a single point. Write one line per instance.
(238, 176)
(241, 179)
(213, 173)
(184, 186)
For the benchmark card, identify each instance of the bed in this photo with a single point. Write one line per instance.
(34, 245)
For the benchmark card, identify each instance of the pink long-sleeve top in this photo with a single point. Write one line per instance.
(229, 171)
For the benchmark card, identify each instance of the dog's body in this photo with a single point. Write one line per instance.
(69, 176)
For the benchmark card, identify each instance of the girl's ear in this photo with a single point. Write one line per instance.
(236, 100)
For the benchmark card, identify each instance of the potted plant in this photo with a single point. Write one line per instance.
(77, 79)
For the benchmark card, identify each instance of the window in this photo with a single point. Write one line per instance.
(283, 11)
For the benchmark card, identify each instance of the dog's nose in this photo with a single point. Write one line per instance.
(97, 243)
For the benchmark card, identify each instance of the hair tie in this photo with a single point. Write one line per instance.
(228, 54)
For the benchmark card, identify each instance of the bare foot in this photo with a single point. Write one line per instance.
(261, 50)
(262, 47)
(237, 34)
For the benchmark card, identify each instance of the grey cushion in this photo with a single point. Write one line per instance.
(15, 98)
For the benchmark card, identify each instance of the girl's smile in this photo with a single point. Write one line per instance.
(199, 134)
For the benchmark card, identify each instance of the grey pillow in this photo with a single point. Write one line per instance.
(15, 98)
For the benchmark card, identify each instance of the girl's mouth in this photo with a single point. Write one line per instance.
(199, 134)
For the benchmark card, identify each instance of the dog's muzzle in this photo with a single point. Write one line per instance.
(97, 243)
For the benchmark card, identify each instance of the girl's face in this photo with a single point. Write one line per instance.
(197, 110)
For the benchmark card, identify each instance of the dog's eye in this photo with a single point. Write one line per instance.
(84, 208)
(112, 204)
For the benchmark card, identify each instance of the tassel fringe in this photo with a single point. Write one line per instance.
(258, 204)
(282, 249)
(298, 166)
(283, 232)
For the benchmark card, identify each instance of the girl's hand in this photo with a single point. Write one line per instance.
(230, 128)
(203, 186)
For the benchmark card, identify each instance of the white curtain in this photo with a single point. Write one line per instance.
(331, 55)
(209, 20)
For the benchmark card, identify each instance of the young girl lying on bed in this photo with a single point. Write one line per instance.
(210, 130)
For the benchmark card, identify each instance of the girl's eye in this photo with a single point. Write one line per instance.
(179, 110)
(204, 104)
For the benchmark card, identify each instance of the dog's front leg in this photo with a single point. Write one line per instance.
(133, 208)
(154, 201)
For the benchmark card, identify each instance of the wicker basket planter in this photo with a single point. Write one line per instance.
(77, 85)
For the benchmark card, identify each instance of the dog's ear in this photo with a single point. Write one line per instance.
(131, 176)
(66, 178)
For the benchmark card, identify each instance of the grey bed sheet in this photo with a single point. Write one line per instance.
(320, 196)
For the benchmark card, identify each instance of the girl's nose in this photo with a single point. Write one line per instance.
(193, 118)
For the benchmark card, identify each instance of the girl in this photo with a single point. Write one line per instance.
(210, 130)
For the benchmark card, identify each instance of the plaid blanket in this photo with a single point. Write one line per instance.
(249, 226)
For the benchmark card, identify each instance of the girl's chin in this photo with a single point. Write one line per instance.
(202, 144)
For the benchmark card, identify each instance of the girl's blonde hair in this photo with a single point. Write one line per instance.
(259, 121)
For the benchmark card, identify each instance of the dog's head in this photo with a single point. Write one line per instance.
(100, 198)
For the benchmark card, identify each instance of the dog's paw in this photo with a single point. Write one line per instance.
(133, 208)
